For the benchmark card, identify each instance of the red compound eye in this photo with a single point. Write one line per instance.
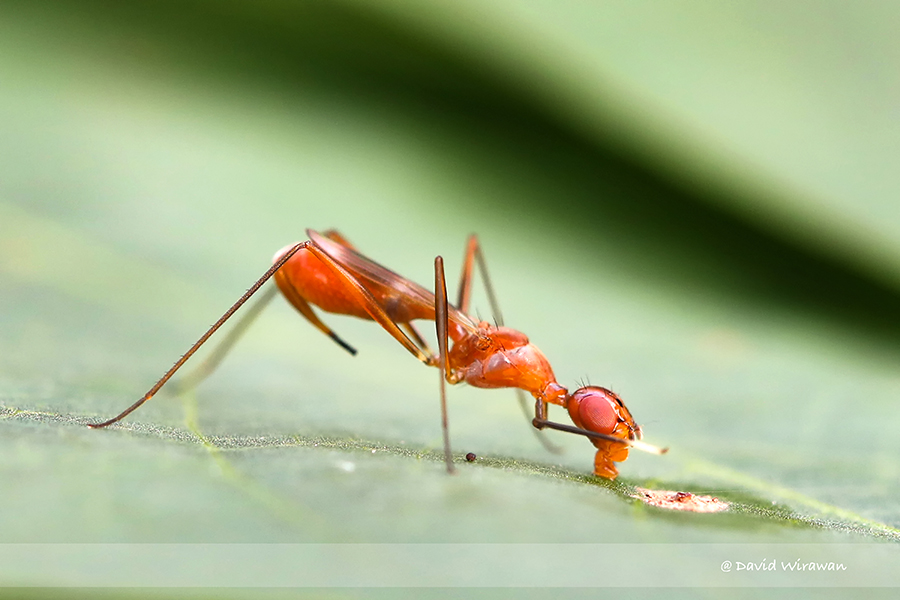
(598, 414)
(595, 409)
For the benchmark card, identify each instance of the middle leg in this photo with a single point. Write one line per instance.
(475, 255)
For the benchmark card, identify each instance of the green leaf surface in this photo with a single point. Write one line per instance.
(736, 284)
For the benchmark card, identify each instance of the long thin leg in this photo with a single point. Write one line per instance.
(473, 255)
(371, 306)
(212, 362)
(441, 320)
(215, 358)
(247, 295)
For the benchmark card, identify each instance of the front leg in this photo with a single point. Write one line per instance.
(442, 327)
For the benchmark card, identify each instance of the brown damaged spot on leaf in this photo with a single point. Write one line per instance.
(680, 500)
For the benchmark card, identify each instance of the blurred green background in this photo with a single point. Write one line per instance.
(693, 203)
